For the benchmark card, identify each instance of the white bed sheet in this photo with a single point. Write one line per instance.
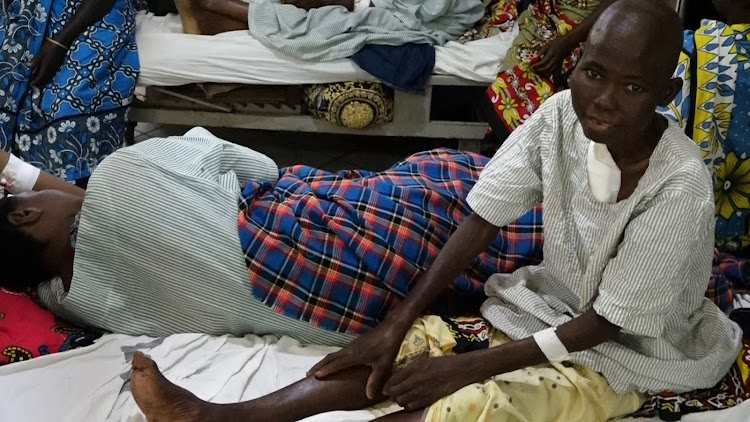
(170, 58)
(90, 384)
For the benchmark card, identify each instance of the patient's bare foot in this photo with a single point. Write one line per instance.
(162, 401)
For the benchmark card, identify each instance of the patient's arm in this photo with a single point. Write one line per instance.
(46, 181)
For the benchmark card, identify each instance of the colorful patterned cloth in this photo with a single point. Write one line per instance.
(499, 16)
(77, 119)
(28, 331)
(732, 390)
(340, 250)
(518, 91)
(714, 64)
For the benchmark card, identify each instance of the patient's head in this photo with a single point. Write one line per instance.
(34, 231)
(626, 70)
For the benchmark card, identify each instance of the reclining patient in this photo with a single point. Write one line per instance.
(325, 30)
(168, 240)
(615, 309)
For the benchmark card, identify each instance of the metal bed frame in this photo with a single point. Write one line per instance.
(411, 118)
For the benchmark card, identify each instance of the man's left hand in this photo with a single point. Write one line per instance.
(425, 381)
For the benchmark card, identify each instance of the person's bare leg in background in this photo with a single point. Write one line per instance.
(217, 16)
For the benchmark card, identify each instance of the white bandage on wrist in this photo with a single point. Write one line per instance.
(551, 345)
(19, 176)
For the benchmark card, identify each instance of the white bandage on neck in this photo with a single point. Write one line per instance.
(551, 345)
(361, 4)
(19, 176)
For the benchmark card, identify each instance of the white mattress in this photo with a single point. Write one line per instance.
(171, 58)
(90, 384)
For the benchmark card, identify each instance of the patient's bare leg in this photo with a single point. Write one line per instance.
(160, 400)
(214, 16)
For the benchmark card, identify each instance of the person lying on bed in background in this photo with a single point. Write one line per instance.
(68, 70)
(616, 308)
(714, 109)
(166, 240)
(324, 30)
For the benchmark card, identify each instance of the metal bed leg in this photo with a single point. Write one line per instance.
(470, 145)
(130, 134)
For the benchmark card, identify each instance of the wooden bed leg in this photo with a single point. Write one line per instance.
(130, 134)
(470, 145)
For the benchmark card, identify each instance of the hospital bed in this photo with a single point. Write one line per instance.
(260, 88)
(91, 383)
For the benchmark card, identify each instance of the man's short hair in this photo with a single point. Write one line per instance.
(21, 264)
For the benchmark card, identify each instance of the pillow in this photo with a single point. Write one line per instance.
(354, 105)
(27, 330)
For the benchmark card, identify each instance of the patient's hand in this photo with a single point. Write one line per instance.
(313, 4)
(376, 349)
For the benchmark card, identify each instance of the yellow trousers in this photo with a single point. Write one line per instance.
(545, 393)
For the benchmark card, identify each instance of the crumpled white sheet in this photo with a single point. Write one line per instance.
(90, 384)
(169, 57)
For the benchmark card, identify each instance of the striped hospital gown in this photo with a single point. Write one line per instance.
(642, 263)
(123, 221)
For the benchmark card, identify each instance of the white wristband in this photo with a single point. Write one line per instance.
(551, 345)
(19, 176)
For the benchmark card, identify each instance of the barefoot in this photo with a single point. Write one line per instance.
(159, 399)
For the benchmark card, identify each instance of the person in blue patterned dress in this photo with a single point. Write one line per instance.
(68, 70)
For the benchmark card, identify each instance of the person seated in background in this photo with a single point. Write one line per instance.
(324, 30)
(714, 110)
(69, 69)
(615, 309)
(538, 63)
(166, 239)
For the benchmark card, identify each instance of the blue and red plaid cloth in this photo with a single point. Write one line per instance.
(730, 277)
(340, 250)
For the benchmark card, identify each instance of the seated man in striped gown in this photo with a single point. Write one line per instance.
(615, 310)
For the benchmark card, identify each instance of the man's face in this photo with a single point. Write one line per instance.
(616, 87)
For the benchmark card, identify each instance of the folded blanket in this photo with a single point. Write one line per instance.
(330, 33)
(406, 67)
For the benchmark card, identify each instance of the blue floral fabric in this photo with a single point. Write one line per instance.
(67, 127)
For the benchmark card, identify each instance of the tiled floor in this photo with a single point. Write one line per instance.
(329, 152)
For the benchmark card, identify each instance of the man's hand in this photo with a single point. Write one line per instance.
(46, 64)
(376, 349)
(425, 381)
(552, 56)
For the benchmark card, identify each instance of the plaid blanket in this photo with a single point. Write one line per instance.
(730, 277)
(340, 250)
